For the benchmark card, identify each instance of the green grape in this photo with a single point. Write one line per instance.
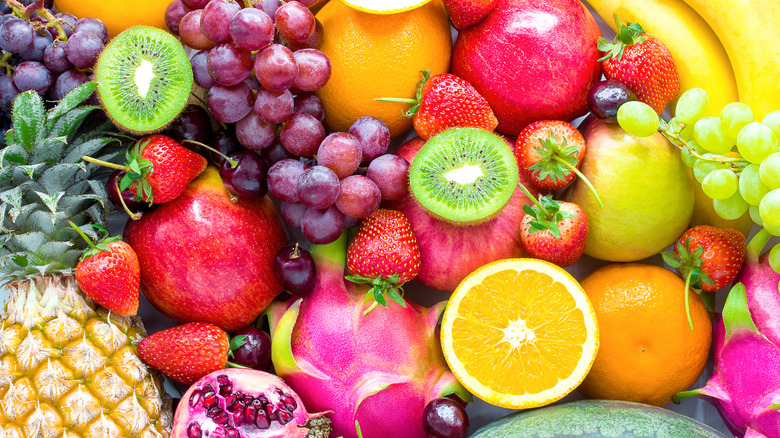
(774, 257)
(755, 215)
(755, 141)
(773, 121)
(733, 117)
(769, 208)
(638, 118)
(687, 132)
(720, 184)
(691, 106)
(750, 186)
(687, 158)
(708, 133)
(769, 171)
(775, 231)
(730, 208)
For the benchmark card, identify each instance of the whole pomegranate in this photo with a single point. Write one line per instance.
(245, 403)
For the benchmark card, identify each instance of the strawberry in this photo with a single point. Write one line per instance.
(109, 274)
(555, 231)
(466, 13)
(643, 63)
(187, 352)
(446, 101)
(709, 258)
(385, 254)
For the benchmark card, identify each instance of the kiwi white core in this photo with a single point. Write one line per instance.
(466, 174)
(143, 77)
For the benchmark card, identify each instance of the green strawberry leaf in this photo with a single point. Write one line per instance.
(627, 35)
(395, 296)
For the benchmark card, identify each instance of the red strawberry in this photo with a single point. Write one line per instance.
(187, 352)
(446, 101)
(643, 63)
(385, 254)
(109, 274)
(466, 13)
(554, 231)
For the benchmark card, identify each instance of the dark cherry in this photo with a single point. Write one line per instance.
(226, 142)
(605, 97)
(445, 418)
(255, 352)
(247, 178)
(294, 268)
(128, 194)
(193, 123)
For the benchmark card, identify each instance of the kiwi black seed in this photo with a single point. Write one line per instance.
(464, 175)
(144, 79)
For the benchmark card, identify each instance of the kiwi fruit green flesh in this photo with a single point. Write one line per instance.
(464, 175)
(144, 79)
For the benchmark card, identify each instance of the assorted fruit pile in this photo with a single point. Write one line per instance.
(285, 169)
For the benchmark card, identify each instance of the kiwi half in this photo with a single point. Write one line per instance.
(144, 79)
(464, 175)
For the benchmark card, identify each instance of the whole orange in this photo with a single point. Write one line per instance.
(647, 351)
(375, 55)
(118, 15)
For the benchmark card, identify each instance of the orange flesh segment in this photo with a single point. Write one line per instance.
(523, 342)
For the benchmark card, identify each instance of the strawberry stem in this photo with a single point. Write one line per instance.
(687, 294)
(581, 176)
(133, 216)
(395, 99)
(82, 234)
(233, 163)
(106, 163)
(531, 197)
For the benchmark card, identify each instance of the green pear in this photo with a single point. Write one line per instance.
(645, 188)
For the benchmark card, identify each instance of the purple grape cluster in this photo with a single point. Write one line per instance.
(50, 52)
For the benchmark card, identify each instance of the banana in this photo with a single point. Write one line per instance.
(750, 33)
(700, 57)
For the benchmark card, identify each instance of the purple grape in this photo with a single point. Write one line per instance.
(5, 9)
(283, 179)
(67, 81)
(275, 67)
(255, 134)
(445, 418)
(294, 268)
(32, 75)
(309, 103)
(224, 141)
(313, 42)
(255, 352)
(83, 49)
(230, 104)
(252, 29)
(605, 97)
(341, 153)
(8, 93)
(127, 195)
(253, 84)
(322, 226)
(174, 13)
(247, 179)
(276, 153)
(313, 69)
(190, 32)
(93, 26)
(318, 187)
(200, 70)
(302, 134)
(373, 135)
(37, 49)
(16, 35)
(229, 64)
(351, 222)
(55, 57)
(8, 17)
(269, 7)
(68, 22)
(292, 213)
(215, 21)
(391, 174)
(358, 197)
(294, 21)
(195, 4)
(274, 106)
(192, 124)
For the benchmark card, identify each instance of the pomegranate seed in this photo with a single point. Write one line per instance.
(285, 416)
(231, 433)
(289, 402)
(263, 400)
(209, 400)
(230, 402)
(250, 412)
(238, 418)
(225, 386)
(262, 421)
(270, 411)
(193, 431)
(195, 398)
(218, 415)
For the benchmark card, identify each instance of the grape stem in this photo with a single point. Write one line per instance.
(675, 139)
(37, 7)
(9, 69)
(581, 176)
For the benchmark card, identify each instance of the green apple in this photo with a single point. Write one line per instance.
(645, 187)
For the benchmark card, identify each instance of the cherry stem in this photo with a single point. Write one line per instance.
(395, 99)
(133, 216)
(296, 253)
(687, 293)
(581, 176)
(233, 162)
(230, 364)
(82, 234)
(106, 163)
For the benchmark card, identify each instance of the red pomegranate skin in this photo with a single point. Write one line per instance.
(532, 60)
(205, 258)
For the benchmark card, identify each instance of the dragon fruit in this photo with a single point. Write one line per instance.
(245, 403)
(379, 370)
(745, 386)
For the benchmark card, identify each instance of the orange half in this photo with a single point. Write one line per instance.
(519, 333)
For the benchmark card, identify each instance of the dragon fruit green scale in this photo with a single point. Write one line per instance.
(379, 370)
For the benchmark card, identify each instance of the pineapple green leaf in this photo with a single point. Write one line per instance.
(13, 154)
(28, 119)
(13, 197)
(58, 178)
(49, 150)
(89, 148)
(31, 170)
(71, 100)
(9, 137)
(30, 242)
(67, 124)
(50, 201)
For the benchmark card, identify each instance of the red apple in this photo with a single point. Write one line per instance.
(450, 252)
(531, 60)
(205, 258)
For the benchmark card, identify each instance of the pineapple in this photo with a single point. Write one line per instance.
(68, 368)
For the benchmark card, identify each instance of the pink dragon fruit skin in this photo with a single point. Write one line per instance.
(745, 385)
(379, 370)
